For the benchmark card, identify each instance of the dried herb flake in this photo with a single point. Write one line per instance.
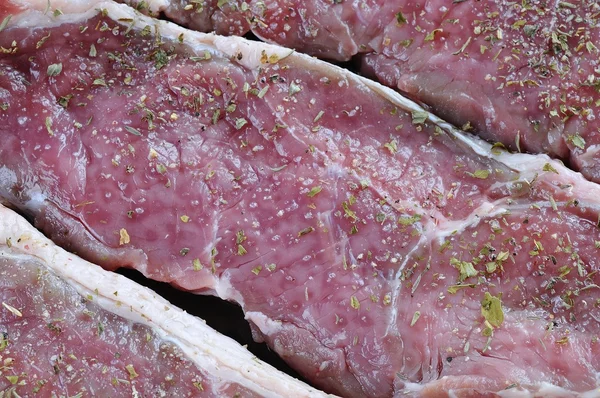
(54, 69)
(491, 310)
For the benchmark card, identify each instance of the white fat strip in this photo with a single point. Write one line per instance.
(545, 390)
(225, 290)
(266, 325)
(445, 228)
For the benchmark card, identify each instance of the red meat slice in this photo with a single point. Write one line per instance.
(377, 252)
(70, 329)
(525, 74)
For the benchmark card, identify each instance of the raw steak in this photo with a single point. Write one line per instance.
(376, 251)
(70, 329)
(526, 74)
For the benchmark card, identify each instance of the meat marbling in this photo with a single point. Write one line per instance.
(70, 329)
(373, 247)
(526, 74)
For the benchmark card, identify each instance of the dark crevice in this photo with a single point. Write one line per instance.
(163, 17)
(251, 36)
(225, 317)
(352, 65)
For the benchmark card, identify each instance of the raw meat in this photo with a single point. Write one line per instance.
(377, 252)
(69, 328)
(526, 74)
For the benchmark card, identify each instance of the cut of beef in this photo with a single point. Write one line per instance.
(375, 251)
(525, 74)
(68, 328)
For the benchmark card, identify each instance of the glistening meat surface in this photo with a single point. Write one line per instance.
(375, 251)
(70, 329)
(525, 74)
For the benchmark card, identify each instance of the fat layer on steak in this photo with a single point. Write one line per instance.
(374, 248)
(69, 328)
(525, 74)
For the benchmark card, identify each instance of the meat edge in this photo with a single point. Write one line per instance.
(249, 54)
(218, 354)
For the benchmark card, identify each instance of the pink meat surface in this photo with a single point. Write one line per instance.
(526, 74)
(374, 251)
(330, 29)
(222, 17)
(68, 328)
(54, 342)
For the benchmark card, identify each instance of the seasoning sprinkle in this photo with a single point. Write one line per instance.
(577, 140)
(54, 69)
(419, 117)
(392, 146)
(548, 167)
(133, 130)
(305, 231)
(262, 92)
(400, 19)
(123, 237)
(415, 318)
(12, 309)
(99, 82)
(49, 126)
(41, 42)
(314, 191)
(276, 169)
(319, 116)
(132, 373)
(12, 380)
(198, 385)
(491, 309)
(241, 122)
(465, 269)
(481, 174)
(3, 341)
(5, 22)
(455, 288)
(294, 88)
(197, 265)
(464, 46)
(431, 35)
